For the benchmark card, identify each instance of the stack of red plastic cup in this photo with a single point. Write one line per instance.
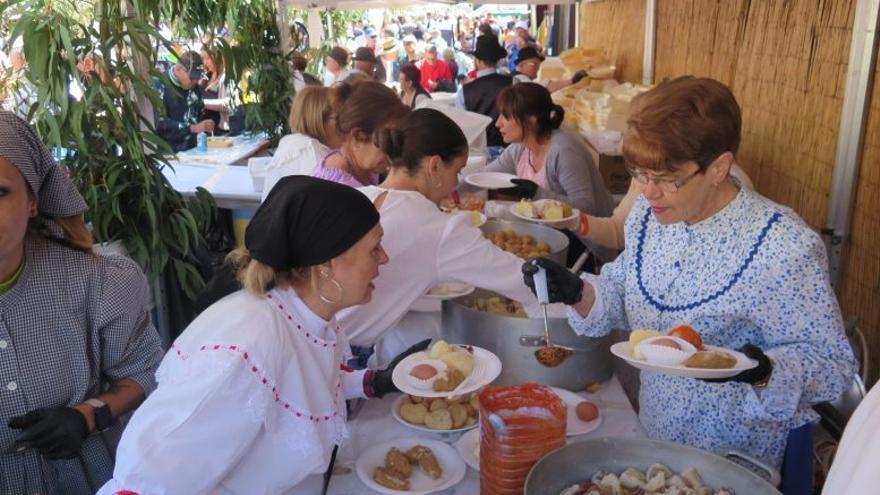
(518, 426)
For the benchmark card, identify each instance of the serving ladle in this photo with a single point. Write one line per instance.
(550, 355)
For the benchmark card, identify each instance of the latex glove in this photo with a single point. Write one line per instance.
(578, 76)
(380, 380)
(562, 285)
(523, 188)
(754, 375)
(55, 433)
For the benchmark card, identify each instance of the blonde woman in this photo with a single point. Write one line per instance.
(251, 397)
(313, 133)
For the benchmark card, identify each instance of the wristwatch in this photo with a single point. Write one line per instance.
(103, 416)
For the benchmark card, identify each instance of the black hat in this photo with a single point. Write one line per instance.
(527, 53)
(364, 54)
(307, 221)
(192, 61)
(489, 50)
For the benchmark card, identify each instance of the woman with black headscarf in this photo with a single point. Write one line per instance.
(77, 347)
(251, 397)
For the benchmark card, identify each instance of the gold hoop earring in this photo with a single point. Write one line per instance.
(338, 287)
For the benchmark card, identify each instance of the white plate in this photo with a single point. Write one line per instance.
(453, 466)
(395, 411)
(487, 367)
(448, 290)
(467, 446)
(574, 426)
(574, 214)
(490, 180)
(743, 363)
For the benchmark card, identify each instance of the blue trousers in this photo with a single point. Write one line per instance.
(797, 464)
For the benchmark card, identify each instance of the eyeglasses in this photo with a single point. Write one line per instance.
(665, 185)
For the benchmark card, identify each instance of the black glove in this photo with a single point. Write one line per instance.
(754, 375)
(523, 188)
(381, 382)
(578, 76)
(55, 433)
(562, 285)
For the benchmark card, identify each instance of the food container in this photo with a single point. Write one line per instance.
(518, 426)
(557, 240)
(578, 462)
(514, 341)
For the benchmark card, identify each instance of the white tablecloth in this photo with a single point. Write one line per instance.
(374, 424)
(231, 185)
(242, 147)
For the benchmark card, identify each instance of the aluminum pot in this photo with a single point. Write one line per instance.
(514, 341)
(576, 463)
(557, 241)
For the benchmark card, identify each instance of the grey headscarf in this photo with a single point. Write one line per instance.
(56, 194)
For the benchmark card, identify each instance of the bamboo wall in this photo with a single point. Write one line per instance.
(618, 27)
(860, 288)
(786, 62)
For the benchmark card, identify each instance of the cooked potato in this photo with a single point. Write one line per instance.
(459, 415)
(439, 420)
(414, 413)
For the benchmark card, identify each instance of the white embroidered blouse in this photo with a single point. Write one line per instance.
(251, 400)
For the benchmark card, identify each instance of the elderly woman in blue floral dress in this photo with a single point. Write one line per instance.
(742, 270)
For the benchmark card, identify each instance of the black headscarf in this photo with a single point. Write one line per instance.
(307, 221)
(56, 194)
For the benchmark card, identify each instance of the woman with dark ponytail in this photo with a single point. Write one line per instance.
(425, 246)
(552, 163)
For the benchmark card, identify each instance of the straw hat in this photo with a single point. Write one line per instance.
(389, 46)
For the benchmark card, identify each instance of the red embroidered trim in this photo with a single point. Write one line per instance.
(257, 372)
(308, 335)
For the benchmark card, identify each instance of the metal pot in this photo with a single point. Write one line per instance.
(514, 341)
(557, 241)
(576, 463)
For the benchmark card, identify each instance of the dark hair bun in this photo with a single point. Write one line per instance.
(390, 141)
(557, 116)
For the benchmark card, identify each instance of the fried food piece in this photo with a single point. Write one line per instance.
(449, 381)
(440, 419)
(390, 479)
(430, 466)
(711, 360)
(426, 460)
(397, 462)
(415, 453)
(459, 415)
(438, 404)
(414, 413)
(416, 400)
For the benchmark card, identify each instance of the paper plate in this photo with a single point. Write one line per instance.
(468, 446)
(450, 462)
(448, 290)
(574, 214)
(395, 411)
(487, 367)
(490, 180)
(575, 426)
(743, 363)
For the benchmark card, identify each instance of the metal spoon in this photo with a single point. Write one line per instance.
(550, 355)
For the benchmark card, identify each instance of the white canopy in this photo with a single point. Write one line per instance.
(360, 4)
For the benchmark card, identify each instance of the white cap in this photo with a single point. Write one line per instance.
(523, 24)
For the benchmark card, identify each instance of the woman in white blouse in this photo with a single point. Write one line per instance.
(251, 397)
(427, 246)
(313, 133)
